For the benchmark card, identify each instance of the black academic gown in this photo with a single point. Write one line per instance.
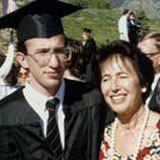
(21, 135)
(133, 33)
(90, 47)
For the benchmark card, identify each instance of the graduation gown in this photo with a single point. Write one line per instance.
(21, 134)
(90, 47)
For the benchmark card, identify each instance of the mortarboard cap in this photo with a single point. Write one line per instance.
(87, 30)
(40, 18)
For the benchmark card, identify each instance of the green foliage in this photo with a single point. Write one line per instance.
(143, 23)
(102, 22)
(98, 4)
(21, 3)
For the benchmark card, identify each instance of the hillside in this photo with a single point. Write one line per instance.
(150, 7)
(103, 22)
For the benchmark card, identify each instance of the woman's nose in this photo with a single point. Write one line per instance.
(115, 85)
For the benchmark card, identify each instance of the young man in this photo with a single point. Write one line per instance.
(25, 121)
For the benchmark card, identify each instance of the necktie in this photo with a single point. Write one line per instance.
(53, 136)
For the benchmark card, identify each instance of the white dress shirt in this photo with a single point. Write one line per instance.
(123, 28)
(155, 81)
(38, 102)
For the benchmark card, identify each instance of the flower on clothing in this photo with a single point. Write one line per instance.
(101, 155)
(158, 125)
(151, 150)
(142, 154)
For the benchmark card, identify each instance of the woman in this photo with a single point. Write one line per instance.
(125, 76)
(75, 61)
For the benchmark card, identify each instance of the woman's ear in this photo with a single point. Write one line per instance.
(21, 58)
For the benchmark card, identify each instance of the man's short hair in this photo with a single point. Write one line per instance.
(153, 35)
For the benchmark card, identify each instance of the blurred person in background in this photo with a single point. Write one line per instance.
(90, 52)
(75, 61)
(133, 29)
(150, 46)
(123, 25)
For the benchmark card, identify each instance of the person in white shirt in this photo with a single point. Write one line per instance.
(123, 25)
(8, 73)
(150, 45)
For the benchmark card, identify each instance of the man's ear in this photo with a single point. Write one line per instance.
(21, 58)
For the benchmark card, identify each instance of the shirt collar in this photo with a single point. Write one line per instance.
(61, 92)
(34, 97)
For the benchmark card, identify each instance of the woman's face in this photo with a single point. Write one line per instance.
(120, 85)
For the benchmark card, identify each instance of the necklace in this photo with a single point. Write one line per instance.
(140, 139)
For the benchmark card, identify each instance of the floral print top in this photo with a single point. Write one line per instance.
(151, 151)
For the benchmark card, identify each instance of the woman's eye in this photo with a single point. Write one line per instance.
(105, 79)
(123, 76)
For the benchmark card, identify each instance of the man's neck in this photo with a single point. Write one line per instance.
(45, 91)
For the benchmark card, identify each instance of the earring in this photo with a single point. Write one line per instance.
(144, 89)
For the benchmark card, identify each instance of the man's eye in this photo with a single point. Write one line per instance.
(59, 50)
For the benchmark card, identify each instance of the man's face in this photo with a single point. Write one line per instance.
(45, 59)
(149, 47)
(85, 36)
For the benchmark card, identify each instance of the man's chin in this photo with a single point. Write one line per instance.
(53, 83)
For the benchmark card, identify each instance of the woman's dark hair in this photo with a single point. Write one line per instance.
(75, 61)
(142, 65)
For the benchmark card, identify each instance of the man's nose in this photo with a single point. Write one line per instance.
(54, 60)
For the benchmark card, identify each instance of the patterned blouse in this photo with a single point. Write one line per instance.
(151, 151)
